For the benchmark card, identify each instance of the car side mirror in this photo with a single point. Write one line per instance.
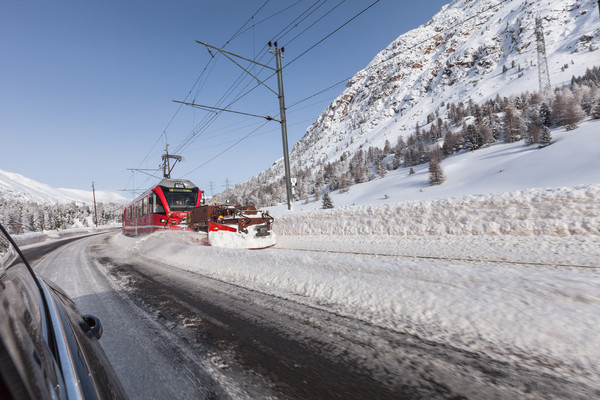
(92, 326)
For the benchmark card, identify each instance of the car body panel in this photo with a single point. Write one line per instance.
(47, 348)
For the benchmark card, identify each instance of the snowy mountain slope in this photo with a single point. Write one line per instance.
(498, 169)
(470, 49)
(16, 187)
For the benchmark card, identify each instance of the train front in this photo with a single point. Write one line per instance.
(175, 199)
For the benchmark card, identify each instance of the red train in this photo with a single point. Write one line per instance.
(163, 207)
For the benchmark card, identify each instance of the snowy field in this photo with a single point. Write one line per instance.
(39, 237)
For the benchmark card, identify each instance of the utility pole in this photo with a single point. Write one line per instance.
(286, 156)
(278, 54)
(95, 212)
(167, 168)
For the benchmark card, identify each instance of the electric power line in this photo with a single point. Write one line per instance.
(315, 22)
(334, 31)
(198, 79)
(209, 119)
(227, 149)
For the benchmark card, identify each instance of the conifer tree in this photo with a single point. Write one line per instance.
(485, 134)
(546, 137)
(327, 202)
(450, 145)
(533, 134)
(381, 169)
(387, 148)
(397, 159)
(596, 110)
(436, 175)
(473, 138)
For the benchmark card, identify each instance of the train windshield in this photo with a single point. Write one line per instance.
(181, 199)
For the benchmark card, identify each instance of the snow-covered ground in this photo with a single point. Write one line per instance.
(513, 273)
(29, 238)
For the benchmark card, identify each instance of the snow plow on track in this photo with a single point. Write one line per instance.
(233, 226)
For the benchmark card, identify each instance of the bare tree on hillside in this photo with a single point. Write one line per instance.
(574, 114)
(513, 124)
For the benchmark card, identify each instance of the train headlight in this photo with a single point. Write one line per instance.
(162, 220)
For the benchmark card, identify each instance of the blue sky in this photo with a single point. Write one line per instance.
(87, 88)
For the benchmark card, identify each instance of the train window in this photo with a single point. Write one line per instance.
(157, 206)
(145, 206)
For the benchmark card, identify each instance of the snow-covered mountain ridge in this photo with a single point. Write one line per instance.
(16, 187)
(469, 50)
(434, 64)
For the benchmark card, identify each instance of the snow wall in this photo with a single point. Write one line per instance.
(552, 212)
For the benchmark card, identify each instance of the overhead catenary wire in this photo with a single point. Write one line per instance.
(206, 68)
(333, 32)
(316, 44)
(212, 117)
(315, 22)
(164, 132)
(299, 19)
(227, 149)
(269, 17)
(209, 119)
